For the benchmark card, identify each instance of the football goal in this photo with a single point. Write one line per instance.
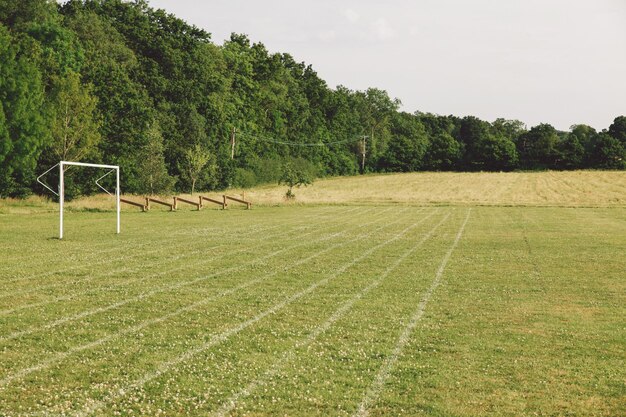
(61, 188)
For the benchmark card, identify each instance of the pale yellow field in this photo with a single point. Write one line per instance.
(573, 188)
(552, 188)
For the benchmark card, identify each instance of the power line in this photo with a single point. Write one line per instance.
(306, 144)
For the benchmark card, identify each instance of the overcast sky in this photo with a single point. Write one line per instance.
(554, 61)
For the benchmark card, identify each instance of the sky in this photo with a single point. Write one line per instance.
(561, 62)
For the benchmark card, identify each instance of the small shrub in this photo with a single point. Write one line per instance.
(293, 177)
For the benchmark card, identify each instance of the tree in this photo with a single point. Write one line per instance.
(126, 111)
(194, 161)
(571, 152)
(18, 13)
(407, 146)
(140, 65)
(293, 177)
(23, 120)
(375, 110)
(583, 133)
(618, 129)
(538, 146)
(435, 124)
(510, 129)
(443, 152)
(472, 133)
(153, 174)
(497, 153)
(608, 153)
(75, 130)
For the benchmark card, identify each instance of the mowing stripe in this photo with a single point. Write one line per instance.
(14, 261)
(134, 329)
(77, 294)
(161, 250)
(93, 407)
(167, 249)
(157, 251)
(81, 264)
(144, 278)
(230, 404)
(102, 262)
(377, 385)
(37, 259)
(329, 209)
(120, 248)
(157, 290)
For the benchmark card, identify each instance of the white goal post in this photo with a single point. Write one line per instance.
(61, 193)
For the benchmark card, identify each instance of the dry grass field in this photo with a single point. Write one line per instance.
(558, 189)
(538, 189)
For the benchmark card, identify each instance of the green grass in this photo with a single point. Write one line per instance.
(315, 310)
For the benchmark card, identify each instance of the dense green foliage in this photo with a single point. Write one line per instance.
(101, 74)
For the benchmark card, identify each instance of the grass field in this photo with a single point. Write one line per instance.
(360, 309)
(548, 188)
(532, 189)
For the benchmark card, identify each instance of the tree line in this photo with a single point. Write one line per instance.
(122, 83)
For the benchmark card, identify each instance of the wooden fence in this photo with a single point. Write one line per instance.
(198, 205)
(184, 200)
(163, 203)
(247, 203)
(211, 200)
(134, 203)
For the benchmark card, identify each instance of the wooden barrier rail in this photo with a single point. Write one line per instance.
(134, 203)
(247, 203)
(193, 203)
(223, 204)
(154, 200)
(199, 205)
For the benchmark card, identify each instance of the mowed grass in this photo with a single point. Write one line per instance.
(315, 310)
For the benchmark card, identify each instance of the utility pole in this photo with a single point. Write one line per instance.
(232, 143)
(363, 153)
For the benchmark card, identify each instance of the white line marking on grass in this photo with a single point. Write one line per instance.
(94, 406)
(132, 280)
(80, 266)
(377, 385)
(75, 295)
(69, 281)
(168, 249)
(114, 270)
(88, 258)
(230, 404)
(129, 244)
(146, 294)
(80, 263)
(121, 249)
(18, 260)
(132, 330)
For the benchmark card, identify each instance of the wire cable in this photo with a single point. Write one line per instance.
(306, 144)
